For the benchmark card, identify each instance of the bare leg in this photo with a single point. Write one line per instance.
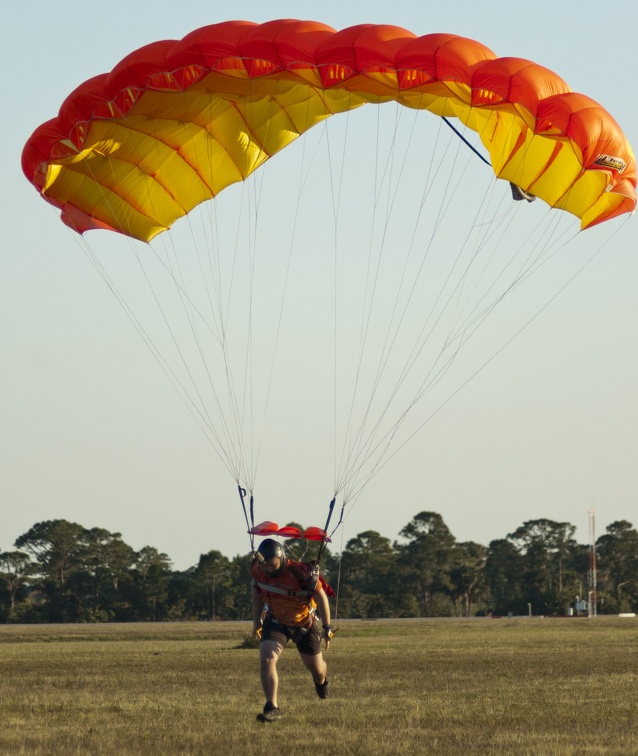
(316, 666)
(268, 656)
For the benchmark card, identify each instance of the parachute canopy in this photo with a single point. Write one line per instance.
(267, 528)
(176, 122)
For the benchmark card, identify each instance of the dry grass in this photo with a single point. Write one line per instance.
(498, 686)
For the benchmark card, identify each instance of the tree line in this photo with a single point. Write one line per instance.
(63, 572)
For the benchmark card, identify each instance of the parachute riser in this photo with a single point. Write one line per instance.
(327, 525)
(250, 524)
(325, 530)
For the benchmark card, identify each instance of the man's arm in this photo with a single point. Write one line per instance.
(323, 607)
(258, 606)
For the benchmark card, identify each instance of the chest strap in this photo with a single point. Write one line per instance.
(280, 591)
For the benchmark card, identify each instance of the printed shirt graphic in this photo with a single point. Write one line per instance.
(293, 611)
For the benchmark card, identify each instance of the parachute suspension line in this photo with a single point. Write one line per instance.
(527, 268)
(241, 400)
(545, 244)
(126, 230)
(386, 440)
(230, 443)
(211, 279)
(496, 353)
(247, 420)
(355, 449)
(171, 332)
(201, 415)
(338, 589)
(459, 331)
(455, 294)
(336, 203)
(184, 393)
(335, 320)
(184, 294)
(246, 414)
(460, 334)
(456, 330)
(371, 287)
(390, 435)
(387, 352)
(237, 412)
(359, 450)
(479, 246)
(175, 270)
(207, 273)
(210, 273)
(170, 374)
(465, 141)
(358, 438)
(282, 302)
(348, 442)
(222, 450)
(249, 376)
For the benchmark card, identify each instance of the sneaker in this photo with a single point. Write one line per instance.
(269, 714)
(322, 690)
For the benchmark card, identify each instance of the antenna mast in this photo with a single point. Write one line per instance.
(592, 581)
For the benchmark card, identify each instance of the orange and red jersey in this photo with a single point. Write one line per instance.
(289, 594)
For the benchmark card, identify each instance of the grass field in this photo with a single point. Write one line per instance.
(521, 686)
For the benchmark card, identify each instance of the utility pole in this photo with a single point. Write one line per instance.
(592, 564)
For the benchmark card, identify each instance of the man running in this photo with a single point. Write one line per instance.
(292, 594)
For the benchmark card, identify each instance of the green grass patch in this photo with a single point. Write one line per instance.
(416, 686)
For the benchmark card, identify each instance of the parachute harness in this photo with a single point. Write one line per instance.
(316, 581)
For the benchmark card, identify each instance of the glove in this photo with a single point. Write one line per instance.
(327, 634)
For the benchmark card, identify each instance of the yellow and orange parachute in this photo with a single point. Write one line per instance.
(176, 122)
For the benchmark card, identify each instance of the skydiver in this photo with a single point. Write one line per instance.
(292, 594)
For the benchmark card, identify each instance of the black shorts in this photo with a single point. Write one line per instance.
(307, 639)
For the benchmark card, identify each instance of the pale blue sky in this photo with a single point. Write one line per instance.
(92, 432)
